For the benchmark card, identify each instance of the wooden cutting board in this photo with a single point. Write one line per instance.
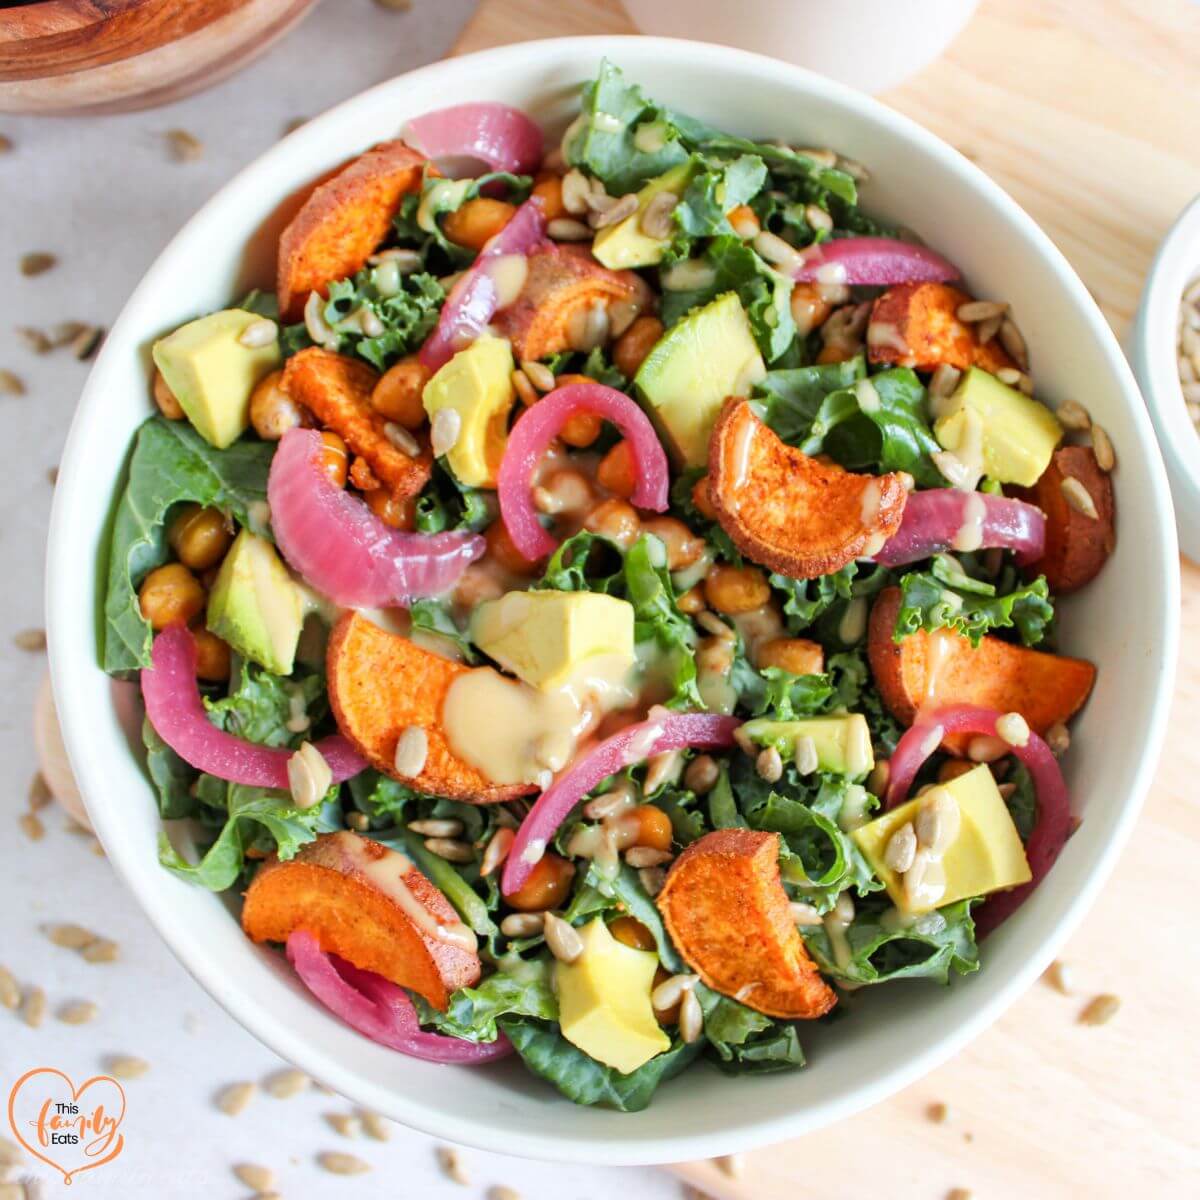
(1089, 115)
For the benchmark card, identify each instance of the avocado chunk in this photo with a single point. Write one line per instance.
(212, 374)
(1012, 433)
(255, 606)
(683, 382)
(842, 743)
(604, 1001)
(548, 638)
(986, 854)
(476, 384)
(625, 244)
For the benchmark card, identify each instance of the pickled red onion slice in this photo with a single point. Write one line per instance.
(178, 715)
(342, 548)
(475, 299)
(1053, 825)
(934, 519)
(661, 731)
(503, 137)
(378, 1008)
(540, 424)
(878, 261)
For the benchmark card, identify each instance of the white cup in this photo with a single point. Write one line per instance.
(869, 44)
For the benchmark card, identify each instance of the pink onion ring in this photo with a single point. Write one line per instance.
(378, 1008)
(474, 299)
(933, 519)
(342, 548)
(503, 137)
(179, 717)
(662, 730)
(1053, 825)
(539, 425)
(878, 261)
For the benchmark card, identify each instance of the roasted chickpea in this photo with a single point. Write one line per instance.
(165, 399)
(566, 491)
(212, 656)
(810, 308)
(391, 510)
(836, 352)
(714, 656)
(631, 348)
(581, 429)
(692, 601)
(335, 461)
(272, 411)
(701, 774)
(797, 655)
(547, 886)
(702, 500)
(500, 547)
(170, 595)
(683, 547)
(199, 536)
(615, 520)
(647, 825)
(548, 189)
(952, 768)
(397, 395)
(631, 932)
(478, 220)
(616, 472)
(732, 590)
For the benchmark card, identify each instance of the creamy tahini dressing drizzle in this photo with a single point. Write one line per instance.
(939, 646)
(743, 445)
(854, 621)
(508, 273)
(884, 333)
(867, 396)
(970, 532)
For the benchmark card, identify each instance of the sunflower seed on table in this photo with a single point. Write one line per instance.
(77, 1012)
(347, 1124)
(1101, 1010)
(184, 146)
(126, 1066)
(937, 1112)
(1060, 977)
(39, 795)
(233, 1098)
(70, 937)
(10, 990)
(259, 1180)
(375, 1126)
(500, 1192)
(730, 1164)
(33, 1006)
(452, 1166)
(31, 826)
(10, 384)
(35, 339)
(337, 1163)
(37, 262)
(85, 343)
(959, 1194)
(401, 6)
(6, 143)
(31, 640)
(286, 1083)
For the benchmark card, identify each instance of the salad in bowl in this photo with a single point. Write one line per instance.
(600, 608)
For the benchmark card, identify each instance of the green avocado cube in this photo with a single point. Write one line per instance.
(842, 743)
(626, 244)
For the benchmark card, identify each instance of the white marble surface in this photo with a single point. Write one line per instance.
(104, 195)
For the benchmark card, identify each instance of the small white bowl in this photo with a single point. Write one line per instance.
(1153, 347)
(890, 1036)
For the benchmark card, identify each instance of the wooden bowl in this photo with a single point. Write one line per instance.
(98, 56)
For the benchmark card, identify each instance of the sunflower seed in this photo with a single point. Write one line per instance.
(401, 439)
(938, 1112)
(818, 219)
(77, 1012)
(85, 343)
(626, 206)
(33, 1006)
(347, 1124)
(901, 849)
(563, 941)
(341, 1164)
(375, 1126)
(6, 143)
(233, 1098)
(959, 1194)
(730, 1164)
(31, 640)
(980, 310)
(944, 380)
(500, 1192)
(258, 1179)
(804, 914)
(807, 758)
(769, 764)
(412, 749)
(315, 324)
(452, 1165)
(1101, 1010)
(564, 229)
(10, 991)
(436, 828)
(70, 937)
(185, 147)
(670, 992)
(101, 951)
(937, 821)
(1060, 977)
(126, 1066)
(309, 776)
(576, 188)
(776, 251)
(445, 430)
(51, 473)
(37, 262)
(496, 851)
(656, 219)
(451, 850)
(358, 821)
(287, 1083)
(652, 880)
(622, 314)
(1078, 498)
(521, 925)
(1106, 458)
(292, 125)
(259, 333)
(538, 374)
(31, 826)
(35, 339)
(986, 330)
(1009, 375)
(691, 1017)
(10, 384)
(646, 856)
(1013, 341)
(1058, 738)
(1073, 416)
(986, 749)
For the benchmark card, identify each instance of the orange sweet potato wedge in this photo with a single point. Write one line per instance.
(914, 325)
(727, 912)
(944, 668)
(563, 283)
(790, 512)
(1077, 544)
(342, 221)
(337, 389)
(381, 684)
(368, 905)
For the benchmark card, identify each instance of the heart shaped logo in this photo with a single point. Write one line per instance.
(72, 1128)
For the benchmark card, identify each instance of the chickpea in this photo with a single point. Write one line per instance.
(199, 536)
(548, 189)
(797, 655)
(952, 768)
(399, 513)
(702, 774)
(547, 886)
(165, 399)
(714, 656)
(683, 547)
(615, 520)
(272, 411)
(212, 656)
(397, 395)
(335, 461)
(702, 500)
(647, 825)
(631, 348)
(616, 472)
(500, 547)
(170, 595)
(836, 352)
(566, 491)
(477, 221)
(809, 307)
(692, 601)
(631, 932)
(581, 429)
(732, 590)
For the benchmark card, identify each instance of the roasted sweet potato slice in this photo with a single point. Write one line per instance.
(1077, 545)
(381, 684)
(788, 511)
(914, 325)
(944, 668)
(727, 912)
(368, 905)
(342, 221)
(336, 389)
(563, 283)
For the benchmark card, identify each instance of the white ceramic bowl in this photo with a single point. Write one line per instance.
(890, 1037)
(1152, 346)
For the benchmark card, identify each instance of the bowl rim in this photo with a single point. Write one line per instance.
(62, 612)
